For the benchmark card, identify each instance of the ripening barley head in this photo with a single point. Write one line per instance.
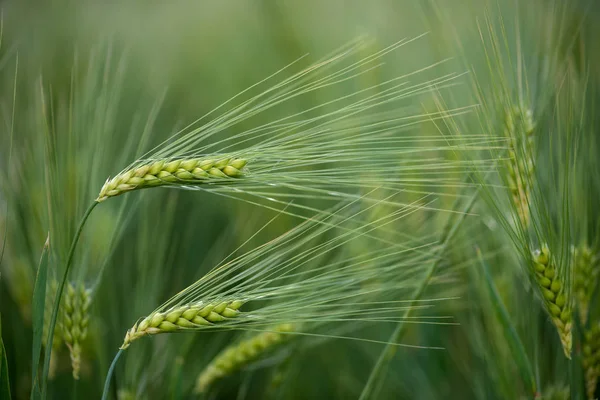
(318, 153)
(242, 353)
(556, 295)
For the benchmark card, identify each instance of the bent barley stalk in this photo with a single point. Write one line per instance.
(172, 172)
(556, 299)
(75, 320)
(241, 354)
(520, 166)
(183, 317)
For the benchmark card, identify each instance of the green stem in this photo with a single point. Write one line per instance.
(388, 353)
(110, 374)
(48, 352)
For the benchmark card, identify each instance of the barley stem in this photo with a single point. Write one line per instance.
(109, 375)
(61, 286)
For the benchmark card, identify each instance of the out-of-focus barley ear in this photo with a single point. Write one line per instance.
(125, 394)
(555, 296)
(185, 171)
(586, 266)
(556, 393)
(74, 322)
(591, 359)
(192, 316)
(20, 285)
(520, 166)
(242, 353)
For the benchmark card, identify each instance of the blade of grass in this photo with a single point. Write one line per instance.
(510, 333)
(38, 306)
(4, 382)
(110, 374)
(12, 131)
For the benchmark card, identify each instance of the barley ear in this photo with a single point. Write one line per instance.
(586, 266)
(187, 171)
(193, 316)
(520, 166)
(241, 354)
(591, 359)
(555, 296)
(74, 322)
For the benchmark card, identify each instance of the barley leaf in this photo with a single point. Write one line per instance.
(39, 300)
(510, 333)
(4, 383)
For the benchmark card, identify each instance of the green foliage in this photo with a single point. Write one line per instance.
(39, 308)
(4, 381)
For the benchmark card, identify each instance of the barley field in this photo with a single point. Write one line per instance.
(393, 199)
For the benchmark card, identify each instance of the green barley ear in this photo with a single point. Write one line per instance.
(520, 166)
(586, 265)
(195, 316)
(236, 356)
(591, 359)
(74, 322)
(555, 295)
(185, 171)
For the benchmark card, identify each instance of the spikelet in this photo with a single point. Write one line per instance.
(520, 166)
(241, 354)
(171, 172)
(554, 294)
(74, 322)
(586, 265)
(591, 359)
(183, 317)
